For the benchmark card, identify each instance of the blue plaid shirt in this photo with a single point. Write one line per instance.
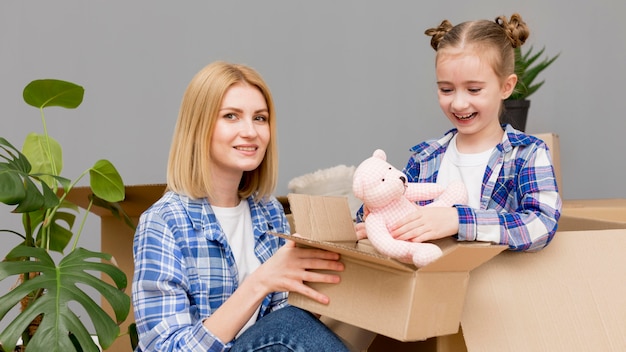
(185, 270)
(520, 205)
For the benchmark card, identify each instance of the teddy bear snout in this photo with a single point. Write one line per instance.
(403, 179)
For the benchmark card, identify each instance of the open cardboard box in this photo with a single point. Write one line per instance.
(570, 296)
(379, 294)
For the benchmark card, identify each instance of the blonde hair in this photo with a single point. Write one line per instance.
(189, 163)
(494, 39)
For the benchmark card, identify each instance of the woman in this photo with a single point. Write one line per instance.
(209, 276)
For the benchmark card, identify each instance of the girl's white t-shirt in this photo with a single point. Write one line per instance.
(237, 225)
(469, 168)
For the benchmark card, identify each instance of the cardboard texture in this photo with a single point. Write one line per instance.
(380, 294)
(570, 296)
(608, 210)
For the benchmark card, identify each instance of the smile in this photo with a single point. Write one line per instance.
(465, 117)
(246, 149)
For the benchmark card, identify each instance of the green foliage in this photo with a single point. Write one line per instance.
(527, 73)
(31, 181)
(61, 285)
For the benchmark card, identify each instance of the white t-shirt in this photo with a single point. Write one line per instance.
(237, 225)
(469, 168)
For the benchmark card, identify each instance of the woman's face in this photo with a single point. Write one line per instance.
(242, 131)
(470, 93)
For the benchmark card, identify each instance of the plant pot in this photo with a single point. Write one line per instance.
(516, 113)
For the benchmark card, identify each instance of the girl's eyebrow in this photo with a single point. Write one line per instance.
(465, 82)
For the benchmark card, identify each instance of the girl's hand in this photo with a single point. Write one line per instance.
(427, 224)
(290, 267)
(359, 228)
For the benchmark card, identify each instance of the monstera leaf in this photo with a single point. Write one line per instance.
(18, 186)
(62, 284)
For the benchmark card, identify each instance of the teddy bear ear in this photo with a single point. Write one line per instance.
(379, 153)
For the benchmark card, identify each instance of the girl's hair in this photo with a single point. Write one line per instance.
(496, 39)
(189, 164)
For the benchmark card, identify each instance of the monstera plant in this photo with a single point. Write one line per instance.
(48, 269)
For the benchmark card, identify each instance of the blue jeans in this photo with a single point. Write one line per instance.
(289, 329)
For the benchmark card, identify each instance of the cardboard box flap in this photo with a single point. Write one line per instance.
(570, 296)
(612, 210)
(569, 222)
(322, 218)
(352, 249)
(595, 203)
(326, 223)
(464, 256)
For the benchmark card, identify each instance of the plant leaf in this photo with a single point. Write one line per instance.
(527, 73)
(16, 183)
(106, 182)
(53, 92)
(11, 186)
(60, 226)
(11, 172)
(42, 159)
(115, 209)
(35, 199)
(134, 336)
(16, 160)
(61, 285)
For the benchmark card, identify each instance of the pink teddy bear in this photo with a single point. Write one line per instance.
(388, 196)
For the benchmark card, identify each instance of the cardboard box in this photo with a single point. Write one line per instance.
(380, 294)
(117, 237)
(569, 296)
(610, 210)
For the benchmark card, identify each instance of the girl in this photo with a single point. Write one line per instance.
(209, 276)
(509, 176)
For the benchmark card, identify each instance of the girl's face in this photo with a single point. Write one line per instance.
(470, 93)
(242, 131)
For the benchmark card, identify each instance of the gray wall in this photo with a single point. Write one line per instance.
(347, 76)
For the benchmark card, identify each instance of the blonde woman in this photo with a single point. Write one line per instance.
(208, 275)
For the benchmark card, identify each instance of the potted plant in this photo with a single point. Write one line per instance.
(31, 181)
(516, 106)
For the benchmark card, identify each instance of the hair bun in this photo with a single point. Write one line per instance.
(438, 33)
(515, 28)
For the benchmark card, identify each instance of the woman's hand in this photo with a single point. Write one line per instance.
(290, 267)
(427, 224)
